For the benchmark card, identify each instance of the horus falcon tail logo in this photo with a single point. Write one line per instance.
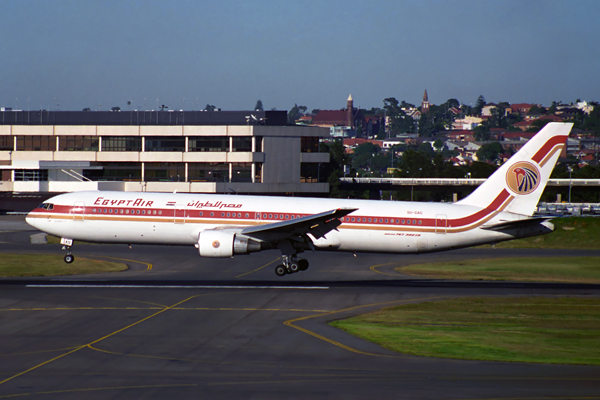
(523, 177)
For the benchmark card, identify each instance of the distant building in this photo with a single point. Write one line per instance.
(164, 151)
(425, 103)
(347, 122)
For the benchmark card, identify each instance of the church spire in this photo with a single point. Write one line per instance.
(350, 112)
(425, 103)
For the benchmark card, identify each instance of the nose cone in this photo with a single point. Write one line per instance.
(30, 219)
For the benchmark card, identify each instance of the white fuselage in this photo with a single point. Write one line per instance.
(177, 219)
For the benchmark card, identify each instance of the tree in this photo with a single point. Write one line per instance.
(209, 107)
(482, 132)
(364, 155)
(259, 106)
(535, 109)
(399, 122)
(480, 169)
(498, 119)
(479, 105)
(490, 152)
(295, 113)
(438, 144)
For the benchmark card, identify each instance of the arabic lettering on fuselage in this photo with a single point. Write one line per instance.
(140, 202)
(208, 204)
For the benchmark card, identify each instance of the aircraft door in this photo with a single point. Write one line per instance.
(441, 224)
(78, 211)
(179, 214)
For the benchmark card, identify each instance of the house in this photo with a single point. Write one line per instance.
(345, 120)
(468, 123)
(486, 111)
(463, 135)
(521, 108)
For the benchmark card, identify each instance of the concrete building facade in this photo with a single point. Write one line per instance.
(242, 158)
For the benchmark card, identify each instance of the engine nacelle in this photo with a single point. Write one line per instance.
(220, 243)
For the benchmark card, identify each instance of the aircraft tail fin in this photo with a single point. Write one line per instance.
(518, 184)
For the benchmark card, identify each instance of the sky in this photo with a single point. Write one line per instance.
(71, 54)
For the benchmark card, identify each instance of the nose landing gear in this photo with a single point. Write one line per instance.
(67, 243)
(291, 264)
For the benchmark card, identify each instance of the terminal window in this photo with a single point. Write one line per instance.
(6, 142)
(38, 175)
(242, 143)
(208, 143)
(78, 143)
(165, 143)
(121, 143)
(36, 143)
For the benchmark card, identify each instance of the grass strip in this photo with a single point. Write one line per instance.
(556, 269)
(14, 265)
(524, 329)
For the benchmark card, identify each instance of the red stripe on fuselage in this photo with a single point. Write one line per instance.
(240, 215)
(494, 205)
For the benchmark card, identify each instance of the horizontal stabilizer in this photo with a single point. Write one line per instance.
(520, 223)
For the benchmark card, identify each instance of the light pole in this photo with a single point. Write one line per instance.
(412, 184)
(570, 183)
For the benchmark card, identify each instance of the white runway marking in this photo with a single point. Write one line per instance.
(178, 287)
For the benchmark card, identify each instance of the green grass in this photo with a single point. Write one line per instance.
(13, 265)
(556, 269)
(569, 233)
(529, 329)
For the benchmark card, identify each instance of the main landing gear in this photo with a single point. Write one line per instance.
(291, 264)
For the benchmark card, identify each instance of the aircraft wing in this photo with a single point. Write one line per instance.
(318, 225)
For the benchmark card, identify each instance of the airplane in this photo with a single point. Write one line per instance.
(227, 225)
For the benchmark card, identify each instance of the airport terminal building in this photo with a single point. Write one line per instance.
(161, 151)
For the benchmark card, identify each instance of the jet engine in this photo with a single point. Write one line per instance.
(222, 243)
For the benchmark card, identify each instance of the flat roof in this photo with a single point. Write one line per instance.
(43, 117)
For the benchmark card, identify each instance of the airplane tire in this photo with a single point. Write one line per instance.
(280, 270)
(303, 264)
(294, 267)
(69, 258)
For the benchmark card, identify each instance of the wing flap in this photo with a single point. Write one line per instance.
(317, 225)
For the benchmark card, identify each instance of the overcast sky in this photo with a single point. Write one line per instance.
(71, 54)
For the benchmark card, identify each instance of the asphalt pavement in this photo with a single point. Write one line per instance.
(175, 325)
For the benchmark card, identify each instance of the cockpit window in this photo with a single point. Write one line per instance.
(46, 206)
